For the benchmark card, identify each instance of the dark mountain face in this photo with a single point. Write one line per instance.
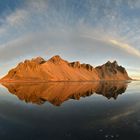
(112, 71)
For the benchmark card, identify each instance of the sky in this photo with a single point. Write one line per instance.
(90, 31)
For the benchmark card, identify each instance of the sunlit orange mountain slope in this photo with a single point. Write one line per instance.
(57, 69)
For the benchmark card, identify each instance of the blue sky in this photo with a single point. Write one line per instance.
(91, 31)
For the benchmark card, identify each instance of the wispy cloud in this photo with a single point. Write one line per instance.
(2, 30)
(17, 17)
(128, 48)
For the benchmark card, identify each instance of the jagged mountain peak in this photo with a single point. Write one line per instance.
(108, 63)
(38, 60)
(56, 59)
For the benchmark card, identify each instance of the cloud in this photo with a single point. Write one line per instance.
(126, 47)
(102, 38)
(36, 5)
(15, 21)
(133, 3)
(92, 37)
(20, 47)
(2, 30)
(16, 18)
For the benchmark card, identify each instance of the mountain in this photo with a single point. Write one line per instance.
(112, 71)
(57, 69)
(58, 92)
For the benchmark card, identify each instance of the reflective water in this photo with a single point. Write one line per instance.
(70, 111)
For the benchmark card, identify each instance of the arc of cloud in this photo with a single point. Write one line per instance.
(128, 48)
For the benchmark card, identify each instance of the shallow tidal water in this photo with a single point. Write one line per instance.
(70, 111)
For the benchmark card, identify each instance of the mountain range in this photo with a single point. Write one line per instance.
(58, 69)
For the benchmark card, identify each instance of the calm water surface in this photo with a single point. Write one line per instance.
(70, 111)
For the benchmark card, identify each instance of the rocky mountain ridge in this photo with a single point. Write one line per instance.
(58, 69)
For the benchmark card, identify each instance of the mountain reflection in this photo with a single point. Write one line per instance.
(58, 92)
